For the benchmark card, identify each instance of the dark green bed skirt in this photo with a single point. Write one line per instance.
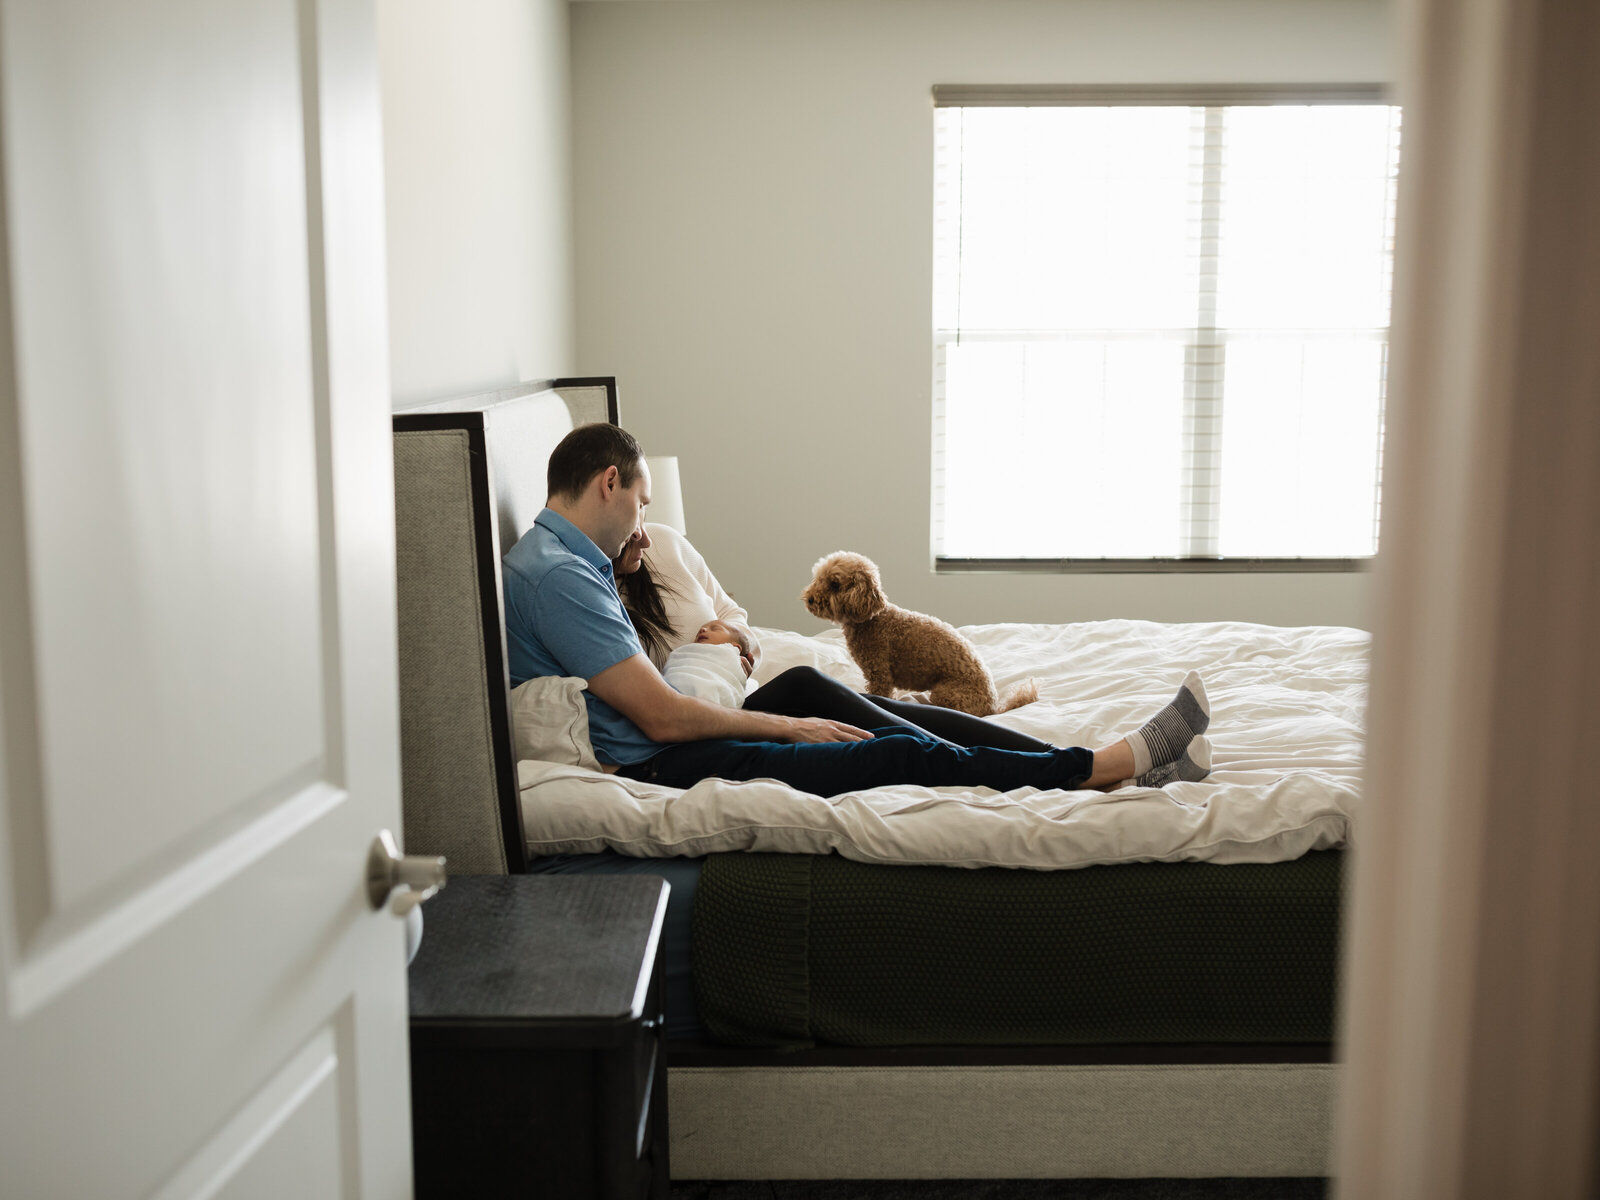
(795, 950)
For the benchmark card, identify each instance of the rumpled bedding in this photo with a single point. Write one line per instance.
(1287, 708)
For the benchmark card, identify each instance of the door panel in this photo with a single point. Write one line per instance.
(196, 513)
(158, 211)
(284, 1143)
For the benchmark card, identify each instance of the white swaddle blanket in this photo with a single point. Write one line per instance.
(707, 672)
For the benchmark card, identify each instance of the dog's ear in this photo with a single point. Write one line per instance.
(861, 591)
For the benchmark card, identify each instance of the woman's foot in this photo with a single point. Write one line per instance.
(1162, 739)
(1192, 766)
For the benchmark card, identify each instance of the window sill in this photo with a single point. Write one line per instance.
(1148, 566)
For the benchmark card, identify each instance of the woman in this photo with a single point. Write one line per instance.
(670, 592)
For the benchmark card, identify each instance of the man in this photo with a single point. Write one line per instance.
(564, 617)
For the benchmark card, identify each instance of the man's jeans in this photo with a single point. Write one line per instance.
(895, 755)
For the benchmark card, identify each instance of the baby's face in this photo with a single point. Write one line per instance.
(715, 633)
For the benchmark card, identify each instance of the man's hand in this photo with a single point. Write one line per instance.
(816, 729)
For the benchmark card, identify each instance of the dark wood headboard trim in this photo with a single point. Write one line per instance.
(516, 392)
(491, 601)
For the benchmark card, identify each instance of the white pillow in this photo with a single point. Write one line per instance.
(550, 722)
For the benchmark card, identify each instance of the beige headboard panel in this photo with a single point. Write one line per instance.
(469, 480)
(522, 425)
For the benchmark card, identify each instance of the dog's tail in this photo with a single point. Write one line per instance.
(1025, 692)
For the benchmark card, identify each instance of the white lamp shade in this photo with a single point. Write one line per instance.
(666, 494)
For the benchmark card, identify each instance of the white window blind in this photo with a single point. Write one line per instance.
(1160, 329)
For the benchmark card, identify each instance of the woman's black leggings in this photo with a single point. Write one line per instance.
(807, 692)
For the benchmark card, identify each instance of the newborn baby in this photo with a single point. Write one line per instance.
(714, 666)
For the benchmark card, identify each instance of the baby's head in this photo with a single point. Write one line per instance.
(717, 633)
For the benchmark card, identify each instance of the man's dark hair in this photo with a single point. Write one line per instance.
(588, 450)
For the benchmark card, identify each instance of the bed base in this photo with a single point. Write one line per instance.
(1016, 1121)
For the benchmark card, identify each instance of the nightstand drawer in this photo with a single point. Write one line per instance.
(644, 1084)
(649, 1054)
(537, 1065)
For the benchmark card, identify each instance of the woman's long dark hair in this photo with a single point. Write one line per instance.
(642, 595)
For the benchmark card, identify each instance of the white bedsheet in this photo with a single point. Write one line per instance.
(1287, 707)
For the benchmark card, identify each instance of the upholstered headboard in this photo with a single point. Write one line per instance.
(469, 480)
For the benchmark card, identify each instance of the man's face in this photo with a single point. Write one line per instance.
(632, 556)
(625, 512)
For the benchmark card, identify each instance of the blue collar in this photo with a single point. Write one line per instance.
(574, 539)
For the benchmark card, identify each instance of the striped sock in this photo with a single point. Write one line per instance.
(1192, 766)
(1164, 737)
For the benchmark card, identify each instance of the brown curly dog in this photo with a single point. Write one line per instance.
(903, 651)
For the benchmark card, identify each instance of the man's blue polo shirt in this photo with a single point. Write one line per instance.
(564, 617)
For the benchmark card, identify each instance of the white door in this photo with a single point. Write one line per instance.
(198, 732)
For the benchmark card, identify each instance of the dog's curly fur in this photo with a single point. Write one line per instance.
(902, 652)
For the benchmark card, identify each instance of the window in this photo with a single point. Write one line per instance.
(1161, 324)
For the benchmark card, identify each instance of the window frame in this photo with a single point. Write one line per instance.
(1164, 95)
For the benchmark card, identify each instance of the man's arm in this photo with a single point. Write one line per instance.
(635, 689)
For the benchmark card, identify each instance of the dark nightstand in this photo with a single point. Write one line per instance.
(536, 1020)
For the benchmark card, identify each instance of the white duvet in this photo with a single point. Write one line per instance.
(1287, 708)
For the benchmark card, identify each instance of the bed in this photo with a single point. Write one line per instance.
(910, 983)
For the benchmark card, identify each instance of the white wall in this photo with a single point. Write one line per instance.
(477, 145)
(754, 222)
